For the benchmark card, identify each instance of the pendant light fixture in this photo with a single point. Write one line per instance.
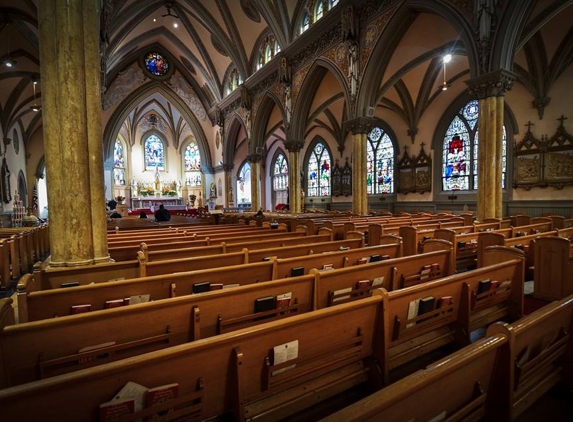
(35, 107)
(8, 61)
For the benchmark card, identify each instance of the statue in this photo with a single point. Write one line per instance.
(157, 180)
(288, 103)
(231, 200)
(134, 187)
(353, 67)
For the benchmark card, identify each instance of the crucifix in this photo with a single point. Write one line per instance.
(562, 119)
(529, 124)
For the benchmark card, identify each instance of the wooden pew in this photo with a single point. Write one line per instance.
(531, 362)
(334, 347)
(553, 274)
(285, 267)
(45, 304)
(40, 349)
(458, 387)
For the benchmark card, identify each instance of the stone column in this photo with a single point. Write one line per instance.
(229, 194)
(359, 128)
(295, 190)
(255, 161)
(69, 53)
(490, 90)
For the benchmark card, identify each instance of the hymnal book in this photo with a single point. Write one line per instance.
(268, 258)
(425, 273)
(228, 286)
(126, 301)
(159, 395)
(70, 284)
(115, 409)
(135, 299)
(205, 286)
(375, 258)
(283, 301)
(216, 286)
(503, 286)
(296, 271)
(412, 312)
(523, 357)
(284, 353)
(113, 303)
(363, 260)
(343, 248)
(384, 257)
(445, 301)
(80, 309)
(494, 285)
(264, 304)
(132, 390)
(461, 245)
(340, 292)
(94, 348)
(426, 305)
(484, 286)
(327, 267)
(378, 281)
(363, 283)
(435, 267)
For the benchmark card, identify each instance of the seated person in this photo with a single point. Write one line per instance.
(259, 213)
(162, 214)
(142, 214)
(115, 214)
(112, 204)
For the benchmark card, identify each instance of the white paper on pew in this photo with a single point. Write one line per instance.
(133, 300)
(284, 353)
(378, 281)
(339, 292)
(135, 391)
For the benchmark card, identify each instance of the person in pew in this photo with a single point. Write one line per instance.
(162, 214)
(115, 214)
(112, 204)
(142, 214)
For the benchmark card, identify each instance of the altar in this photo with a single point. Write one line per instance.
(153, 202)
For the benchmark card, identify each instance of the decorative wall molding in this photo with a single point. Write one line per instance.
(123, 85)
(187, 93)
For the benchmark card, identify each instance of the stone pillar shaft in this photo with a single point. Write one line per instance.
(294, 193)
(500, 108)
(255, 185)
(69, 52)
(359, 191)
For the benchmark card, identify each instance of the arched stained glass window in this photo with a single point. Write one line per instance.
(234, 80)
(118, 163)
(332, 3)
(156, 64)
(379, 163)
(192, 165)
(244, 184)
(305, 23)
(318, 11)
(154, 153)
(280, 173)
(267, 51)
(460, 151)
(318, 171)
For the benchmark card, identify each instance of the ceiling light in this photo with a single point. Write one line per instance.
(8, 62)
(447, 58)
(175, 25)
(35, 107)
(154, 19)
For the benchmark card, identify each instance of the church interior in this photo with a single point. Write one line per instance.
(430, 139)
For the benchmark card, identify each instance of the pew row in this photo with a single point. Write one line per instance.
(231, 375)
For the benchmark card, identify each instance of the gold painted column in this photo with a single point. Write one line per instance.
(490, 90)
(69, 53)
(359, 128)
(295, 189)
(229, 195)
(255, 161)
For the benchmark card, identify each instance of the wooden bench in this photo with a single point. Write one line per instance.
(215, 375)
(455, 388)
(531, 362)
(553, 274)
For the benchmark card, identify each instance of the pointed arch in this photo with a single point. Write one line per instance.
(308, 91)
(148, 138)
(279, 171)
(262, 118)
(132, 100)
(317, 168)
(231, 135)
(23, 188)
(393, 33)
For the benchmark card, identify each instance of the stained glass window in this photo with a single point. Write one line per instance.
(118, 164)
(234, 80)
(379, 163)
(154, 153)
(244, 184)
(304, 23)
(332, 3)
(460, 151)
(156, 64)
(280, 173)
(318, 172)
(192, 165)
(268, 49)
(318, 11)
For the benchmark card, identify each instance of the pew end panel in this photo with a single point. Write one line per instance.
(488, 239)
(435, 245)
(553, 274)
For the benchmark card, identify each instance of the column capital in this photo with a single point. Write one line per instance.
(228, 167)
(359, 125)
(493, 84)
(293, 145)
(254, 158)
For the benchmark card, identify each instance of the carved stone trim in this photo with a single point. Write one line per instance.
(493, 84)
(293, 145)
(254, 158)
(359, 125)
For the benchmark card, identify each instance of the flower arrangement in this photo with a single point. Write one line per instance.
(147, 191)
(172, 192)
(165, 191)
(120, 199)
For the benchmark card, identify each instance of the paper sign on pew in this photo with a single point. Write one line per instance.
(284, 353)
